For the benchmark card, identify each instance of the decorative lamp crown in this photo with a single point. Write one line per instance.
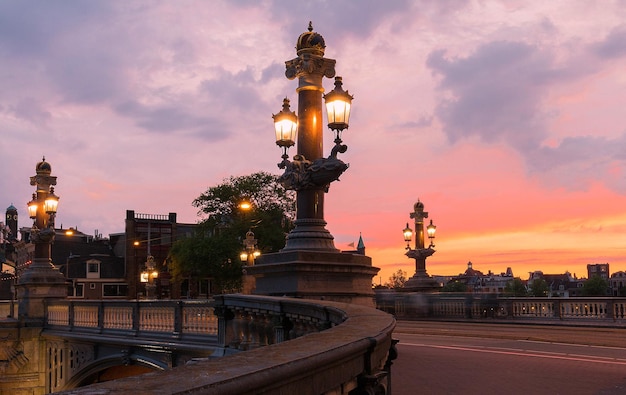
(310, 42)
(43, 167)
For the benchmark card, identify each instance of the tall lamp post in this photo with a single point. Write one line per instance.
(308, 173)
(420, 281)
(41, 280)
(309, 266)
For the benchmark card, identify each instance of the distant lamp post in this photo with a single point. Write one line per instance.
(148, 277)
(248, 255)
(41, 280)
(420, 281)
(250, 251)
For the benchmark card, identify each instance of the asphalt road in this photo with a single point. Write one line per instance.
(460, 358)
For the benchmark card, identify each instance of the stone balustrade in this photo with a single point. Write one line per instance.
(154, 319)
(273, 345)
(442, 305)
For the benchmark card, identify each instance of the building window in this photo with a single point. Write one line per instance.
(93, 268)
(114, 290)
(76, 291)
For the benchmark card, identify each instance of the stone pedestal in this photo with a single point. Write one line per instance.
(39, 282)
(310, 274)
(423, 283)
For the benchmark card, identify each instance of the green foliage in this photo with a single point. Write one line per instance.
(595, 286)
(397, 279)
(515, 287)
(270, 217)
(205, 255)
(454, 286)
(213, 251)
(539, 288)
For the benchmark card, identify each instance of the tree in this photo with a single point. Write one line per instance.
(397, 280)
(539, 287)
(213, 250)
(515, 287)
(595, 286)
(454, 286)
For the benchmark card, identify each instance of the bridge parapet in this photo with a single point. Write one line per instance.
(177, 319)
(602, 310)
(311, 347)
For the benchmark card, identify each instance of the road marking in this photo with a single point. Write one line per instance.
(524, 353)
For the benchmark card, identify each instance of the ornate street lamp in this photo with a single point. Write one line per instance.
(420, 281)
(309, 173)
(41, 280)
(309, 266)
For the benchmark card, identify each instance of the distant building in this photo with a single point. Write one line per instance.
(598, 269)
(478, 282)
(101, 268)
(90, 264)
(559, 285)
(617, 283)
(153, 235)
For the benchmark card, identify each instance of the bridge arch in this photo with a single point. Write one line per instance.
(113, 367)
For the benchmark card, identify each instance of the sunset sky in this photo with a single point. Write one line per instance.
(507, 120)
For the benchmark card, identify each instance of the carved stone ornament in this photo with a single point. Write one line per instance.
(420, 253)
(12, 358)
(307, 64)
(42, 235)
(301, 173)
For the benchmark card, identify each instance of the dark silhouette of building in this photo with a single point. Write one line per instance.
(598, 269)
(11, 222)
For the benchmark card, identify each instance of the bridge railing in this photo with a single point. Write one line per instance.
(472, 306)
(156, 319)
(312, 347)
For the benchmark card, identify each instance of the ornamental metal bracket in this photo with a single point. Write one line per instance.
(420, 253)
(301, 173)
(45, 235)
